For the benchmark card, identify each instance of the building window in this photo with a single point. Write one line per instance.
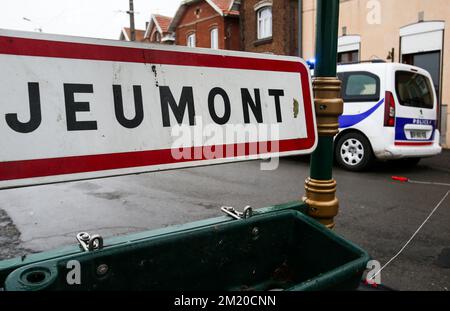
(264, 25)
(191, 40)
(348, 48)
(348, 57)
(214, 38)
(157, 37)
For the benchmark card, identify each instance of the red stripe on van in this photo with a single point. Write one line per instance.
(413, 143)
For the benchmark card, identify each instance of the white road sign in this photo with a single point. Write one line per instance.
(76, 108)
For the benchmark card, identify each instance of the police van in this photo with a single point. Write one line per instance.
(390, 112)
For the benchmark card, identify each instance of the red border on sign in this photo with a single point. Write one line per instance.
(91, 163)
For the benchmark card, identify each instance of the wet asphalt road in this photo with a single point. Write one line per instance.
(376, 213)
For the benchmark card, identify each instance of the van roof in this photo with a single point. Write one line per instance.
(378, 65)
(372, 61)
(360, 66)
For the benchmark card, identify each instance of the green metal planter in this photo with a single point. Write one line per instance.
(278, 248)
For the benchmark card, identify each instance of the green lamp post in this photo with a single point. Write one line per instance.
(320, 187)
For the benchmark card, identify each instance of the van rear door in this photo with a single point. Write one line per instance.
(416, 107)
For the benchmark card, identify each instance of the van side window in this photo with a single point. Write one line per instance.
(359, 86)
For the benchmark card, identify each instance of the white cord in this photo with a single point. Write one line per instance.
(429, 183)
(412, 237)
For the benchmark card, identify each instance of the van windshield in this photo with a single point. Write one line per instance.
(413, 90)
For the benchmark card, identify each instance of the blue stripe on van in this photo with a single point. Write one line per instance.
(351, 120)
(400, 127)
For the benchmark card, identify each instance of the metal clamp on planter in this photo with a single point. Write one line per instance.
(248, 212)
(89, 243)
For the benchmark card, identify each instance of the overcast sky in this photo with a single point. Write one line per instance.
(89, 18)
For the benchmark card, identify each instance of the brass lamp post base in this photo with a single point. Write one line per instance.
(321, 199)
(328, 104)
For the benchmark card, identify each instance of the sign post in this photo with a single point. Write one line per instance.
(77, 108)
(320, 187)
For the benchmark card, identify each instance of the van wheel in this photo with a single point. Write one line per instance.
(353, 152)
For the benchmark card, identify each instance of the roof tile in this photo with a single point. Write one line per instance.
(138, 32)
(163, 21)
(224, 5)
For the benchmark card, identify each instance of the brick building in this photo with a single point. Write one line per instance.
(208, 24)
(158, 30)
(269, 26)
